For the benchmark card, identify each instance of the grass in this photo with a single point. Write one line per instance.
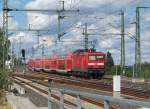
(3, 102)
(3, 86)
(149, 99)
(7, 106)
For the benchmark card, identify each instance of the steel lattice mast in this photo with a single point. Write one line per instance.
(63, 10)
(122, 43)
(86, 37)
(138, 43)
(5, 31)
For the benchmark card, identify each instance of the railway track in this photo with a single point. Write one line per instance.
(92, 85)
(97, 103)
(40, 90)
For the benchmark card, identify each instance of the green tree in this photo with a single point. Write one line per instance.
(109, 60)
(109, 63)
(6, 48)
(3, 79)
(145, 72)
(3, 73)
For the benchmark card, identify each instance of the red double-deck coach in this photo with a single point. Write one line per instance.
(82, 63)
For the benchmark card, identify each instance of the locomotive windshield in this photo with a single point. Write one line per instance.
(96, 57)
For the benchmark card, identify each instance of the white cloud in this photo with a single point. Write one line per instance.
(98, 3)
(106, 44)
(46, 41)
(41, 21)
(146, 36)
(13, 24)
(111, 43)
(93, 3)
(49, 4)
(42, 4)
(23, 37)
(14, 3)
(147, 17)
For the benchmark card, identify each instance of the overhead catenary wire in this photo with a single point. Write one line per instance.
(68, 30)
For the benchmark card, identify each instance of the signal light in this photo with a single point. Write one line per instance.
(23, 53)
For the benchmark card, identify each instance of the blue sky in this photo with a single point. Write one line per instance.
(90, 12)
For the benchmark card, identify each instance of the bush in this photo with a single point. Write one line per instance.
(145, 71)
(2, 97)
(3, 101)
(3, 79)
(112, 70)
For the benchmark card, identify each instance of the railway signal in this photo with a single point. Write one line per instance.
(23, 53)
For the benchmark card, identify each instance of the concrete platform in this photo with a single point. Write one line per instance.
(17, 102)
(144, 108)
(137, 80)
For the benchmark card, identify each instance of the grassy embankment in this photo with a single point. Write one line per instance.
(145, 71)
(3, 102)
(3, 86)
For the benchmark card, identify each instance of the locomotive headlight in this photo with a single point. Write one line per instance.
(100, 63)
(91, 63)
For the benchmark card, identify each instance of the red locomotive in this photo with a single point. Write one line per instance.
(80, 62)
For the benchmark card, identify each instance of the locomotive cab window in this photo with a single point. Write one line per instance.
(96, 57)
(92, 58)
(99, 57)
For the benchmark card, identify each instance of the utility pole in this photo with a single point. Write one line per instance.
(137, 44)
(20, 45)
(63, 10)
(85, 29)
(12, 57)
(38, 33)
(122, 43)
(5, 30)
(86, 37)
(38, 37)
(60, 17)
(32, 51)
(86, 34)
(43, 47)
(19, 53)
